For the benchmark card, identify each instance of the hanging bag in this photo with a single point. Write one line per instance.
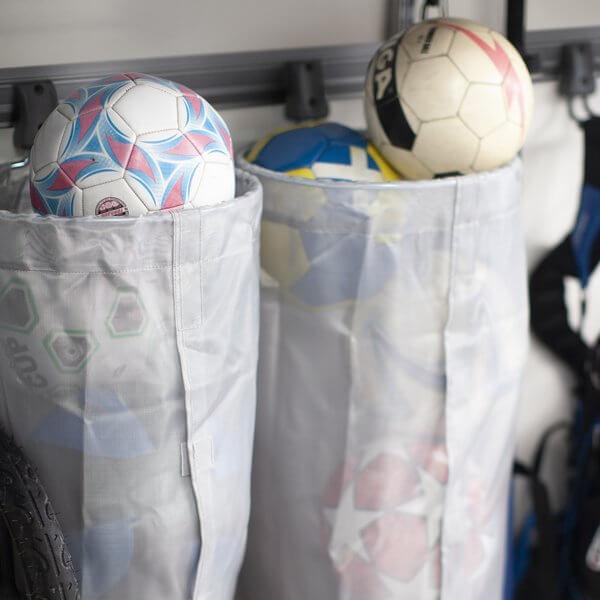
(128, 351)
(393, 338)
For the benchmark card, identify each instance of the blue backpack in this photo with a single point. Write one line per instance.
(556, 556)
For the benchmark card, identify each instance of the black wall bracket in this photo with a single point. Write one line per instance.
(576, 77)
(577, 70)
(305, 91)
(231, 80)
(543, 50)
(441, 6)
(34, 101)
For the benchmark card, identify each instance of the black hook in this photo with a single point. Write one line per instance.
(441, 5)
(305, 91)
(577, 76)
(34, 101)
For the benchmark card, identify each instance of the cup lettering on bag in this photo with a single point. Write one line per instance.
(22, 363)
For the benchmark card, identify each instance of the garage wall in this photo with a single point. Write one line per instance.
(542, 14)
(39, 32)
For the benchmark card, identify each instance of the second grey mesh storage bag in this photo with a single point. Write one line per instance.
(393, 338)
(128, 351)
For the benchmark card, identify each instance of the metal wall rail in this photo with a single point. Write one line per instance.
(258, 78)
(543, 49)
(226, 80)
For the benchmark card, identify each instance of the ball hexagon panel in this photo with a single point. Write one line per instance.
(196, 196)
(482, 122)
(518, 88)
(164, 141)
(116, 95)
(161, 112)
(158, 84)
(401, 66)
(48, 141)
(188, 109)
(210, 125)
(498, 147)
(517, 114)
(165, 169)
(217, 181)
(487, 64)
(60, 196)
(428, 41)
(446, 146)
(142, 192)
(104, 157)
(412, 119)
(433, 88)
(104, 92)
(482, 31)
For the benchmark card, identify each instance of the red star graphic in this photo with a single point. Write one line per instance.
(511, 83)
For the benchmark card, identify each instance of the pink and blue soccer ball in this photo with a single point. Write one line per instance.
(130, 144)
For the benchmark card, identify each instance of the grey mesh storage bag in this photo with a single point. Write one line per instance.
(128, 350)
(393, 338)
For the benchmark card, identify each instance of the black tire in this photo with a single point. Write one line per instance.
(43, 569)
(7, 568)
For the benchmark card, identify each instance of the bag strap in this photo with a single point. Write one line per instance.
(547, 554)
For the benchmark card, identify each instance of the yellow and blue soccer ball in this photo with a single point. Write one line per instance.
(322, 151)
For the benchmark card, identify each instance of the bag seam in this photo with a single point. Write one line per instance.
(20, 269)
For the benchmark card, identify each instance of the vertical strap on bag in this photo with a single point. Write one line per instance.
(542, 577)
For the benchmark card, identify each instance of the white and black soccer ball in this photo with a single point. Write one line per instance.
(131, 144)
(448, 96)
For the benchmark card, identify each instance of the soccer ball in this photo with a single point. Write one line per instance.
(322, 151)
(447, 96)
(130, 144)
(381, 519)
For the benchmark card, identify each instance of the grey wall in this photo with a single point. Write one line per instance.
(35, 32)
(556, 14)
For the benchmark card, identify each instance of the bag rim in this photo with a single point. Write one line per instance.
(249, 181)
(404, 185)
